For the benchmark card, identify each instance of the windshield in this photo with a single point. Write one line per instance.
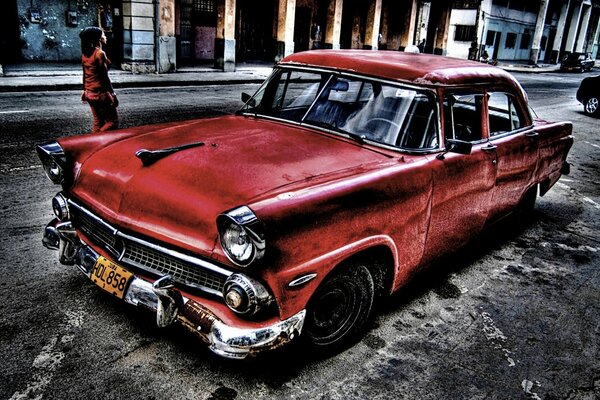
(363, 109)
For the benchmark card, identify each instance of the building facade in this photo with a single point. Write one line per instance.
(160, 35)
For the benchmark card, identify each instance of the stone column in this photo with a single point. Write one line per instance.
(586, 13)
(373, 25)
(573, 28)
(596, 38)
(442, 31)
(560, 32)
(225, 36)
(408, 34)
(334, 24)
(485, 10)
(539, 30)
(139, 36)
(166, 60)
(285, 28)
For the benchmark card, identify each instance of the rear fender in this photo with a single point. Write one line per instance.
(554, 142)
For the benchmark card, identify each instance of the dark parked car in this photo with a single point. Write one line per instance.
(344, 175)
(588, 94)
(577, 62)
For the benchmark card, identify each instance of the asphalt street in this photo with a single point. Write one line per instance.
(514, 315)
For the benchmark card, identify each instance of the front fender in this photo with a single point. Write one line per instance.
(293, 298)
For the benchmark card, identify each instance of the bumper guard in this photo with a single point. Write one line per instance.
(171, 306)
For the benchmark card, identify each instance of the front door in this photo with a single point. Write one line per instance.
(462, 183)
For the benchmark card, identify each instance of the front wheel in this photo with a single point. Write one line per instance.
(339, 309)
(591, 106)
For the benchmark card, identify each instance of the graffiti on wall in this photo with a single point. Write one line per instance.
(49, 31)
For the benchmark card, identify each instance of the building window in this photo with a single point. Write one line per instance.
(500, 3)
(525, 40)
(464, 33)
(207, 6)
(511, 40)
(526, 6)
(490, 37)
(543, 42)
(465, 4)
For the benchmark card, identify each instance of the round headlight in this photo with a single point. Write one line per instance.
(237, 243)
(60, 206)
(54, 160)
(241, 235)
(54, 172)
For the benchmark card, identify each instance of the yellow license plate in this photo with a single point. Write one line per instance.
(111, 277)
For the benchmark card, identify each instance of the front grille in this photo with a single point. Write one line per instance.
(140, 254)
(100, 233)
(164, 264)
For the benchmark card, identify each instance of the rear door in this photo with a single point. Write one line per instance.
(516, 145)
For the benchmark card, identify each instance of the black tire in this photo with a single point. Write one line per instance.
(527, 203)
(524, 213)
(339, 310)
(591, 106)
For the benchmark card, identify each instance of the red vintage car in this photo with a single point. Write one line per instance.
(343, 175)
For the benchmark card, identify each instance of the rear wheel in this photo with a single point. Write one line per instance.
(592, 106)
(527, 203)
(340, 308)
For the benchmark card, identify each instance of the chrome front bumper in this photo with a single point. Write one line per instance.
(171, 306)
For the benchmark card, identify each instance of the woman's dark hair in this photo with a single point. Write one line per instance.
(90, 38)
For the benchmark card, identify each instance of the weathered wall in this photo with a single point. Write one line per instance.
(46, 36)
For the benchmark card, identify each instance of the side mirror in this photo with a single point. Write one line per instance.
(456, 146)
(247, 99)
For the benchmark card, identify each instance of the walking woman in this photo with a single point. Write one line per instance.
(97, 88)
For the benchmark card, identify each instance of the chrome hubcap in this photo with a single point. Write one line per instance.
(592, 105)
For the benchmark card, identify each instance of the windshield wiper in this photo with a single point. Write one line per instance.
(149, 157)
(356, 137)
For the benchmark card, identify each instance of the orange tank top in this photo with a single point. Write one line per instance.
(95, 72)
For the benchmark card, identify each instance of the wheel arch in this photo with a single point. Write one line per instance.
(378, 248)
(380, 262)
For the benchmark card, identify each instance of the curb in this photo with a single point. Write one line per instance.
(125, 85)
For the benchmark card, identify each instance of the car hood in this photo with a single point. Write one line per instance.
(178, 197)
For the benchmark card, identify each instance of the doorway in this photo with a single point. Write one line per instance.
(255, 36)
(10, 41)
(195, 31)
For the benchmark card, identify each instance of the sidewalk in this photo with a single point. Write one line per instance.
(37, 77)
(520, 66)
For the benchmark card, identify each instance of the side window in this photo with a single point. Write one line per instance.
(503, 115)
(462, 117)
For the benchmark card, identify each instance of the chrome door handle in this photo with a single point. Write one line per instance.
(532, 134)
(489, 147)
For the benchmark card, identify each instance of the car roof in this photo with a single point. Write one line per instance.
(421, 69)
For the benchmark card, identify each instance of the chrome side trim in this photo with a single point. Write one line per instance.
(302, 280)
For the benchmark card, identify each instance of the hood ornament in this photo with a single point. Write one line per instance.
(149, 157)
